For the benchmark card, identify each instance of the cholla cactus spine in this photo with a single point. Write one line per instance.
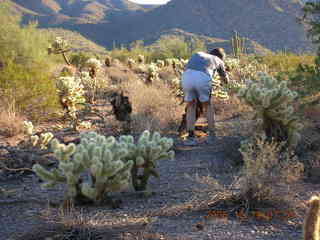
(59, 46)
(97, 155)
(145, 154)
(41, 142)
(272, 102)
(29, 128)
(153, 72)
(71, 93)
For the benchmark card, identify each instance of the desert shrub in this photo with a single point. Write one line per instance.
(31, 88)
(25, 77)
(175, 47)
(155, 108)
(133, 51)
(266, 168)
(11, 121)
(284, 62)
(305, 80)
(79, 59)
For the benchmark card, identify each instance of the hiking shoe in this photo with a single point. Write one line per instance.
(190, 141)
(210, 139)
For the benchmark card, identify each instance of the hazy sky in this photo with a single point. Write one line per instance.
(150, 1)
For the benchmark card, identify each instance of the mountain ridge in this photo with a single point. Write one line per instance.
(271, 23)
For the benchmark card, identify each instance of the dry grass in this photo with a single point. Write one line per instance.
(154, 107)
(233, 107)
(11, 122)
(119, 74)
(266, 167)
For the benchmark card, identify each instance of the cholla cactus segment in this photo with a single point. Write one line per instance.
(108, 61)
(28, 127)
(131, 62)
(145, 153)
(272, 102)
(93, 63)
(35, 141)
(58, 45)
(153, 72)
(96, 155)
(160, 63)
(67, 172)
(43, 141)
(141, 59)
(71, 93)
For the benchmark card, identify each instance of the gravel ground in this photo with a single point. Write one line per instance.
(176, 210)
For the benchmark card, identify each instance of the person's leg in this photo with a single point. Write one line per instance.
(191, 117)
(204, 91)
(209, 113)
(190, 96)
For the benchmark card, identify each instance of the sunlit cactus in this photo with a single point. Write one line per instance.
(145, 153)
(90, 86)
(238, 45)
(131, 62)
(71, 94)
(153, 73)
(94, 66)
(311, 225)
(98, 157)
(28, 127)
(42, 141)
(272, 101)
(59, 46)
(141, 59)
(108, 61)
(160, 63)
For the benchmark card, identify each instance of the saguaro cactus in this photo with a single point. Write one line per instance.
(238, 45)
(145, 154)
(272, 102)
(100, 158)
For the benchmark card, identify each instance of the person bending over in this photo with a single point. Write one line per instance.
(197, 86)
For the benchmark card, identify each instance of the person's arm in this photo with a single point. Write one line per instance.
(223, 72)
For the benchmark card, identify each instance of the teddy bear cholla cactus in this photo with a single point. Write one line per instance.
(272, 102)
(97, 156)
(145, 154)
(71, 93)
(40, 142)
(153, 72)
(59, 46)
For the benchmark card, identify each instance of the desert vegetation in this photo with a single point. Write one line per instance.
(101, 131)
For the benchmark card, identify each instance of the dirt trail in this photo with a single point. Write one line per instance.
(175, 211)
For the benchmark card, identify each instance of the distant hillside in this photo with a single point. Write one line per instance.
(268, 23)
(250, 45)
(76, 40)
(55, 12)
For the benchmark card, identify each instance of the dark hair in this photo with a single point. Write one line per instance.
(219, 52)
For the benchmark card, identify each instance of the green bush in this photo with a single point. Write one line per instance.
(285, 62)
(166, 47)
(25, 75)
(79, 59)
